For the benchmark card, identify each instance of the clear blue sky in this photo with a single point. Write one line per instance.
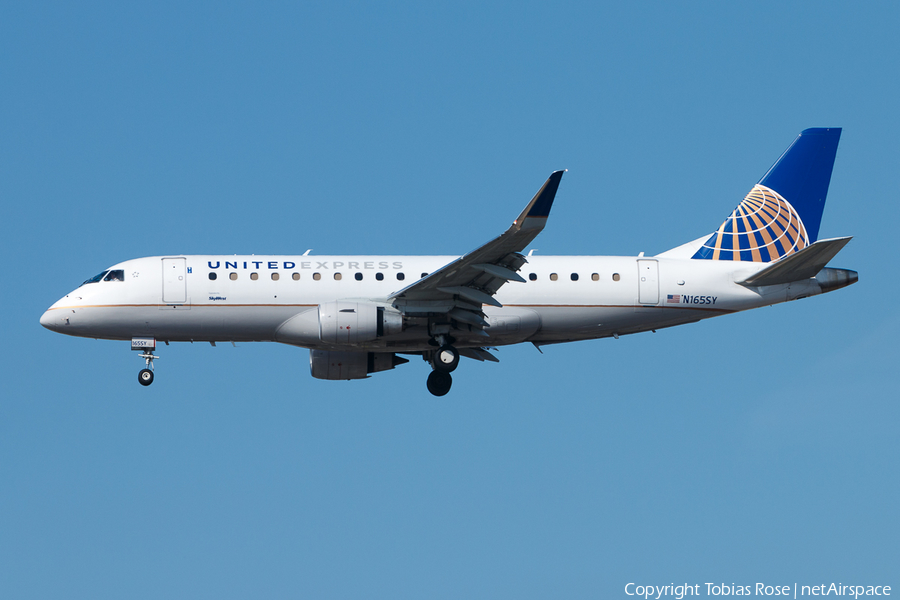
(759, 447)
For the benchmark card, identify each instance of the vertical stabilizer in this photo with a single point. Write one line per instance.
(782, 213)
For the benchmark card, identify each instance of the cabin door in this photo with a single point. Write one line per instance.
(174, 281)
(648, 282)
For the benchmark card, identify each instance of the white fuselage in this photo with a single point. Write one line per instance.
(264, 298)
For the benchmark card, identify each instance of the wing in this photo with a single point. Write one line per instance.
(460, 288)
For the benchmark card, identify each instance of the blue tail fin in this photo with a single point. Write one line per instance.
(782, 212)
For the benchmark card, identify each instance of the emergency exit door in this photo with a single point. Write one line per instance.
(648, 282)
(174, 281)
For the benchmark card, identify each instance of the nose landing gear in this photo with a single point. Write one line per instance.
(145, 377)
(148, 345)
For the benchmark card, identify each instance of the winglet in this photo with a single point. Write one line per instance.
(539, 207)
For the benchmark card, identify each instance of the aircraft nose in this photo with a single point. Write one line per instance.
(51, 320)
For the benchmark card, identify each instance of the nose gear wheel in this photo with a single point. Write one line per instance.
(145, 377)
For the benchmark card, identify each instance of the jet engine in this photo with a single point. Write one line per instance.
(340, 323)
(327, 364)
(345, 322)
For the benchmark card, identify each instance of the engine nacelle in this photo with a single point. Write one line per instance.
(345, 322)
(327, 364)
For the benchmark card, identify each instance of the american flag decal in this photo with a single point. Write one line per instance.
(676, 299)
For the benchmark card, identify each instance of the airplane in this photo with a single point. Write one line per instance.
(358, 314)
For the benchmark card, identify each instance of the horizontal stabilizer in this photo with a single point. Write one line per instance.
(803, 264)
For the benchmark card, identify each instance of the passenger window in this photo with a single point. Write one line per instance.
(358, 276)
(117, 275)
(533, 277)
(233, 276)
(574, 276)
(317, 276)
(254, 276)
(595, 277)
(337, 276)
(212, 276)
(616, 277)
(379, 276)
(553, 276)
(296, 276)
(275, 276)
(400, 276)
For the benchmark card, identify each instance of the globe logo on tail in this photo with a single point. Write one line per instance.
(763, 228)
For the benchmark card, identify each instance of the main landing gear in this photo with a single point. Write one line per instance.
(439, 383)
(444, 360)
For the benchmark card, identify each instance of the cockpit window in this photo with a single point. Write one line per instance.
(116, 275)
(95, 278)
